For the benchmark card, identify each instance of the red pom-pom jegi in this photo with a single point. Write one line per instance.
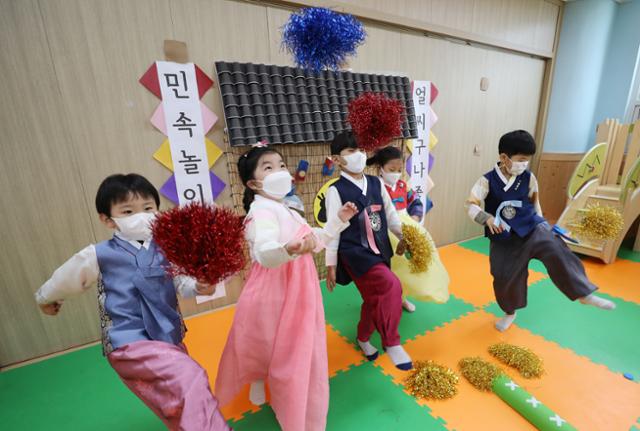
(201, 241)
(375, 119)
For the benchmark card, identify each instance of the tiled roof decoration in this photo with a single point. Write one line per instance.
(288, 105)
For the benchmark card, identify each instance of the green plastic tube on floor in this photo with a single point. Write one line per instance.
(541, 416)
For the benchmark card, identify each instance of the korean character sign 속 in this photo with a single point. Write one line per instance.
(183, 117)
(420, 181)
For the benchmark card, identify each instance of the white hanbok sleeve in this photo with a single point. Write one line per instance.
(74, 277)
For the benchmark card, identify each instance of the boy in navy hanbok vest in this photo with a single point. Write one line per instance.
(513, 222)
(362, 253)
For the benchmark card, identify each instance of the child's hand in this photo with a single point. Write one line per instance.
(493, 228)
(293, 246)
(308, 244)
(331, 278)
(205, 289)
(416, 218)
(347, 211)
(51, 309)
(401, 248)
(305, 245)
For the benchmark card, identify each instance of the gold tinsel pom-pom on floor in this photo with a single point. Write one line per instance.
(598, 222)
(479, 372)
(419, 247)
(430, 381)
(522, 359)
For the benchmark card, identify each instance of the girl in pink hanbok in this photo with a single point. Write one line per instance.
(278, 332)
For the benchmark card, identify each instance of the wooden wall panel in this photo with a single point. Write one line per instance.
(100, 49)
(527, 23)
(553, 179)
(76, 113)
(45, 214)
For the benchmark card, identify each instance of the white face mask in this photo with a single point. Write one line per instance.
(356, 162)
(136, 227)
(278, 184)
(391, 178)
(517, 167)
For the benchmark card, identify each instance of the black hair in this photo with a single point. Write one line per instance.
(118, 187)
(517, 142)
(341, 141)
(384, 155)
(247, 164)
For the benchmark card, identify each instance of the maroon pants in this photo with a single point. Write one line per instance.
(381, 310)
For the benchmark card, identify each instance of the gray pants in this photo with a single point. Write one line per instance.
(510, 260)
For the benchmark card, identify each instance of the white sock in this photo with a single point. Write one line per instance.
(399, 357)
(597, 301)
(408, 306)
(367, 348)
(504, 323)
(256, 393)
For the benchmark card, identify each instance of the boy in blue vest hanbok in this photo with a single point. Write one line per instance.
(142, 328)
(518, 233)
(362, 252)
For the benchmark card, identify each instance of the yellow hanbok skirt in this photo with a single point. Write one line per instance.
(431, 285)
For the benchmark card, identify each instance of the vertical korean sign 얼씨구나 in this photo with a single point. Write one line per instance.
(420, 181)
(183, 116)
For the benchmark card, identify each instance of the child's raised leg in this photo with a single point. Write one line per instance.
(565, 268)
(170, 383)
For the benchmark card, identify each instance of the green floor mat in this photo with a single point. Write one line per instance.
(361, 398)
(74, 391)
(627, 253)
(342, 311)
(606, 337)
(479, 245)
(263, 420)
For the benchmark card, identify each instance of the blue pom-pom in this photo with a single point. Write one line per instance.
(320, 38)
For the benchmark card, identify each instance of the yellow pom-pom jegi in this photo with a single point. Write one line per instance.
(429, 380)
(419, 247)
(599, 222)
(522, 359)
(479, 372)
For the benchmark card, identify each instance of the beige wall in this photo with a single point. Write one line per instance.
(525, 24)
(73, 113)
